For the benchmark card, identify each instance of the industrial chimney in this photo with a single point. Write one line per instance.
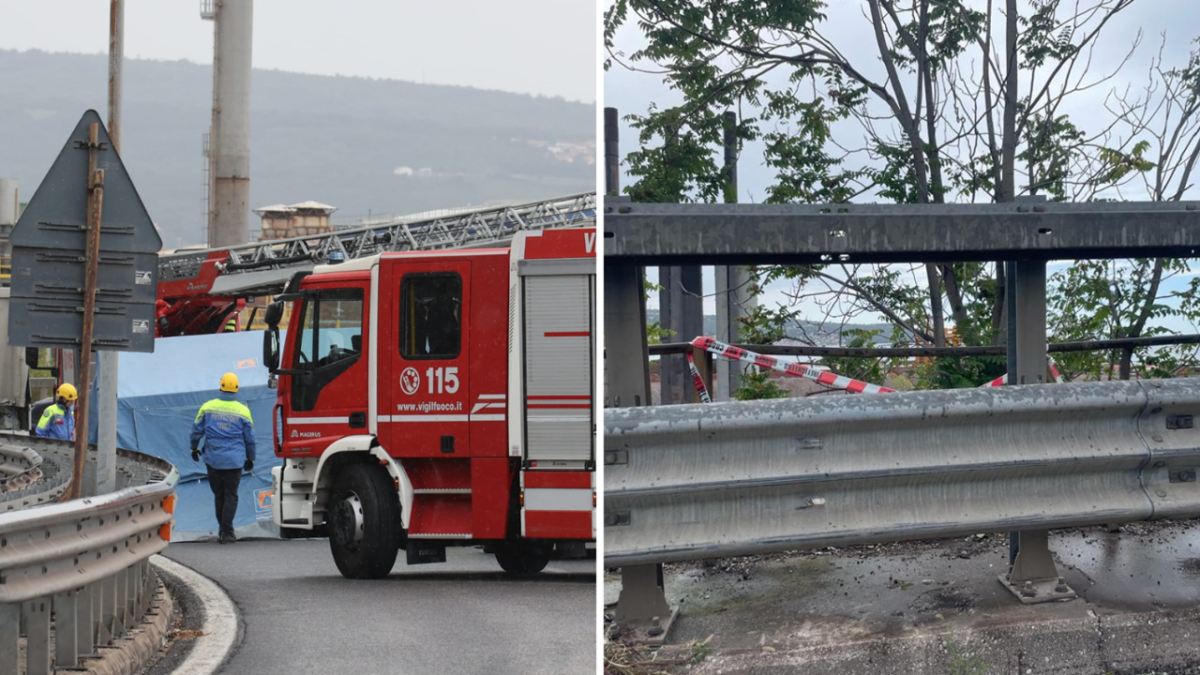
(229, 154)
(9, 210)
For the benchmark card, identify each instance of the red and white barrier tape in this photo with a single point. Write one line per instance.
(827, 378)
(1003, 379)
(698, 381)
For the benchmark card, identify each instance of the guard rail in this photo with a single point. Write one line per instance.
(27, 478)
(689, 481)
(86, 561)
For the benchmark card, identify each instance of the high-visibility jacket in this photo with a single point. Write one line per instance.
(57, 422)
(228, 432)
(231, 325)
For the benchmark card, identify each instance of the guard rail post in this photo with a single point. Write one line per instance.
(85, 560)
(1033, 576)
(642, 598)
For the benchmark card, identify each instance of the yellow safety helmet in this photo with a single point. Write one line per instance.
(67, 391)
(229, 383)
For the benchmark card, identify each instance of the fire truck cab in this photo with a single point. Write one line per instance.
(440, 398)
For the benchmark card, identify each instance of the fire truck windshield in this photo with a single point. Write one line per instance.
(329, 341)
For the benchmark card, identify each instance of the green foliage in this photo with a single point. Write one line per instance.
(656, 333)
(1109, 299)
(1116, 164)
(797, 92)
(762, 326)
(1050, 147)
(874, 371)
(1038, 43)
(758, 384)
(676, 160)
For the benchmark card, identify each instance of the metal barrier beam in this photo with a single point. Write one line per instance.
(85, 560)
(755, 234)
(690, 482)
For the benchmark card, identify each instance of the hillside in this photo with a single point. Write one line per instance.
(337, 140)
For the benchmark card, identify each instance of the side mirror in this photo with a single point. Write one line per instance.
(274, 314)
(271, 348)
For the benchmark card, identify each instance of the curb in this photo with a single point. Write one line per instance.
(1158, 641)
(220, 627)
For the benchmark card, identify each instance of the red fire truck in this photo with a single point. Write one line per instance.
(440, 398)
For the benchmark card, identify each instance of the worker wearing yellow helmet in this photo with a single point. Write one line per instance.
(225, 425)
(58, 419)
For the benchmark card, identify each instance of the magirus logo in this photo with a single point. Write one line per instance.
(305, 434)
(196, 287)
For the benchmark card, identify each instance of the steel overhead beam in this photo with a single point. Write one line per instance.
(717, 234)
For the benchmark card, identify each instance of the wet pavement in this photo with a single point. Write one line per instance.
(463, 616)
(938, 607)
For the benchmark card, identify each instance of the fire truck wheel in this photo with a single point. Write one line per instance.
(516, 559)
(362, 520)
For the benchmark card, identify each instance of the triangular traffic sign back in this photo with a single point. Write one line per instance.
(57, 213)
(49, 256)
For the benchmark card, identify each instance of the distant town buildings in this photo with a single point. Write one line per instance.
(563, 151)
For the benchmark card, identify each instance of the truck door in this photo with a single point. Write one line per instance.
(429, 387)
(327, 399)
(558, 370)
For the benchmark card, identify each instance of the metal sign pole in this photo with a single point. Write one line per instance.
(106, 428)
(90, 279)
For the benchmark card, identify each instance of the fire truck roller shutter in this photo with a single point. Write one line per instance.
(558, 367)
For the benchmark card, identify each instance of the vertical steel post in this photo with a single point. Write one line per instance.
(10, 632)
(626, 354)
(1010, 327)
(681, 311)
(627, 375)
(732, 290)
(642, 598)
(85, 621)
(95, 208)
(106, 427)
(131, 596)
(66, 638)
(121, 606)
(1033, 577)
(612, 161)
(104, 609)
(37, 637)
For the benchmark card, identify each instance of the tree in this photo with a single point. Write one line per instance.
(944, 99)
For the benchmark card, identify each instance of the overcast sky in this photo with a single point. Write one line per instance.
(541, 47)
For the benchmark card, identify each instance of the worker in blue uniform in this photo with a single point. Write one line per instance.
(58, 419)
(227, 428)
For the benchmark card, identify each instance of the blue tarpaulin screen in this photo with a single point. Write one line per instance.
(158, 398)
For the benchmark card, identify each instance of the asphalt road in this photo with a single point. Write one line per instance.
(463, 616)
